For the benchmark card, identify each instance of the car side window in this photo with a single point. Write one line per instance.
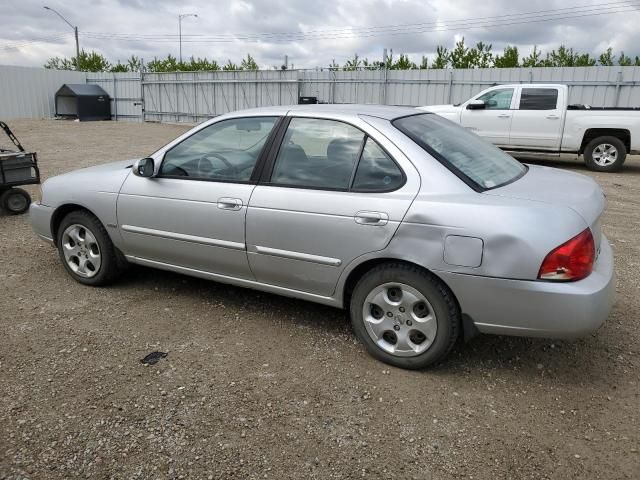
(225, 151)
(376, 171)
(538, 99)
(317, 153)
(499, 99)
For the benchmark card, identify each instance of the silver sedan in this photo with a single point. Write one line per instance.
(423, 231)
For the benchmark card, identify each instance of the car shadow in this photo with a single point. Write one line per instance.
(307, 314)
(567, 361)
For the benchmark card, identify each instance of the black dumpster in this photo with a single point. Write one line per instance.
(83, 101)
(307, 100)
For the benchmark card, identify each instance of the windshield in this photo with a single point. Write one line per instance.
(467, 155)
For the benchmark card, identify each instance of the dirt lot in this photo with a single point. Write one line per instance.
(260, 386)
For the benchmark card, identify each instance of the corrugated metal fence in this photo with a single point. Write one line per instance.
(193, 96)
(27, 92)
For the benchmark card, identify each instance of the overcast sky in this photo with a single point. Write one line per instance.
(336, 28)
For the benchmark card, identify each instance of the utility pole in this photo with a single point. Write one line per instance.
(180, 17)
(75, 31)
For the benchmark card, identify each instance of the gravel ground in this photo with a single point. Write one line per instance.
(260, 386)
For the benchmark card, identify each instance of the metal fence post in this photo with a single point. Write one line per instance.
(618, 85)
(450, 86)
(115, 97)
(385, 76)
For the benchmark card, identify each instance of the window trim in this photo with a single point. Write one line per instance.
(270, 161)
(450, 166)
(257, 167)
(355, 171)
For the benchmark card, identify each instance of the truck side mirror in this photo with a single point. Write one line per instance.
(143, 167)
(476, 105)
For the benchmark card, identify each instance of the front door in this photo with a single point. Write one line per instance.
(334, 194)
(493, 122)
(192, 214)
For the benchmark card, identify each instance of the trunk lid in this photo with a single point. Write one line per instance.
(564, 189)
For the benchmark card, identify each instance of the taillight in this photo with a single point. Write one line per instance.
(571, 261)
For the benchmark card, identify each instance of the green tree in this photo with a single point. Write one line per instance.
(482, 56)
(606, 58)
(424, 63)
(584, 60)
(119, 67)
(403, 63)
(230, 66)
(443, 58)
(354, 63)
(249, 63)
(534, 59)
(333, 65)
(509, 59)
(58, 63)
(86, 62)
(623, 60)
(460, 56)
(169, 64)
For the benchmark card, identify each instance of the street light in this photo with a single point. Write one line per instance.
(180, 17)
(75, 30)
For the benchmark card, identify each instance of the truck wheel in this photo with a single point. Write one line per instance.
(605, 154)
(404, 315)
(15, 201)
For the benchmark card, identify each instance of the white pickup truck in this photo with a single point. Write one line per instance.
(537, 119)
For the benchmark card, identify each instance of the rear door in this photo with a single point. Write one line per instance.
(537, 121)
(493, 122)
(334, 189)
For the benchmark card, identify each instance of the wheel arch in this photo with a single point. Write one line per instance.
(590, 134)
(469, 328)
(62, 211)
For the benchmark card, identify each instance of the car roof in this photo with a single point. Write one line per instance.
(387, 112)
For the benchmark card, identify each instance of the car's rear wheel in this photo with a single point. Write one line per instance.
(404, 315)
(86, 251)
(605, 154)
(15, 201)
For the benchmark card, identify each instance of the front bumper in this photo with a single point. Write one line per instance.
(40, 216)
(537, 308)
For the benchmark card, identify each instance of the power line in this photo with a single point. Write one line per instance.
(363, 32)
(24, 43)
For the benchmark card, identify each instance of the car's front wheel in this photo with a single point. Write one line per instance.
(404, 315)
(86, 250)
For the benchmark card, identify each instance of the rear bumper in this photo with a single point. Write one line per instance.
(536, 308)
(40, 216)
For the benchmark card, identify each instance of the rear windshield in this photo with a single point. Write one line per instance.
(476, 161)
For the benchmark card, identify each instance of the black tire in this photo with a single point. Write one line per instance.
(592, 164)
(438, 295)
(15, 201)
(109, 268)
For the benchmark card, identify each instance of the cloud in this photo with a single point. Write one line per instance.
(331, 19)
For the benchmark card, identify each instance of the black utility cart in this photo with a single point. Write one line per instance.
(17, 167)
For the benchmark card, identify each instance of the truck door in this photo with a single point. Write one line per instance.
(537, 122)
(493, 122)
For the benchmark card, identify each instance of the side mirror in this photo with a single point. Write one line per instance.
(144, 167)
(476, 105)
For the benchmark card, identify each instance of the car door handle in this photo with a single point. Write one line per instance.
(371, 218)
(504, 115)
(227, 203)
(553, 117)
